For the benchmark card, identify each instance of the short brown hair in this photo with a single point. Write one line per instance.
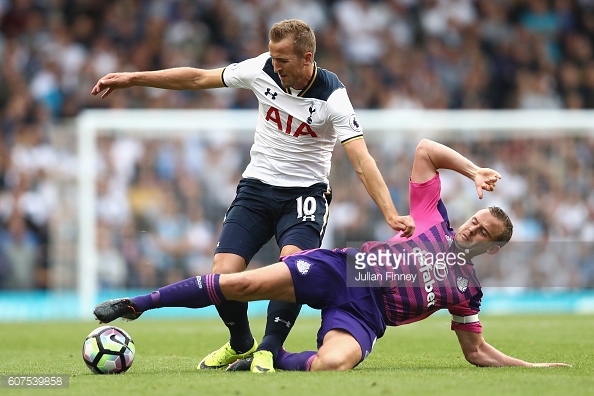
(304, 39)
(508, 227)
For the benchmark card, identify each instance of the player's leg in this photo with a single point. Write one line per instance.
(339, 351)
(300, 227)
(247, 227)
(347, 334)
(280, 318)
(274, 281)
(233, 313)
(270, 282)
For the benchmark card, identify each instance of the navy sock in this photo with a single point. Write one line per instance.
(234, 315)
(195, 292)
(280, 319)
(294, 361)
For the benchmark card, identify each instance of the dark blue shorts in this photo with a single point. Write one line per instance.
(319, 278)
(293, 215)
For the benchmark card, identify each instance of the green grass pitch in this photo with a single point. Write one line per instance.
(418, 359)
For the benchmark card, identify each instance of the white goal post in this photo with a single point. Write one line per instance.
(465, 124)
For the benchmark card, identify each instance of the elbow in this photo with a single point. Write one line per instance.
(424, 148)
(424, 145)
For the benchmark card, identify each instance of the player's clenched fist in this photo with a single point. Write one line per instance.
(406, 224)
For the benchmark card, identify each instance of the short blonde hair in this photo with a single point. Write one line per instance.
(304, 39)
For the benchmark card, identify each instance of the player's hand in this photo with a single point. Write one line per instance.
(111, 82)
(406, 224)
(550, 365)
(485, 179)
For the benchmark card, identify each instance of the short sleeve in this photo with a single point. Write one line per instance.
(342, 116)
(424, 198)
(425, 204)
(242, 74)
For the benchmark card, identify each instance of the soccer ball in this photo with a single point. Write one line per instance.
(108, 350)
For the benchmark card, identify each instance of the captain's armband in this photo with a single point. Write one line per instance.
(465, 319)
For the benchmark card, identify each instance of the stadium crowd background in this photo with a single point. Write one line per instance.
(161, 201)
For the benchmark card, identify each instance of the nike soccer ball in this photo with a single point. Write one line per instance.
(108, 350)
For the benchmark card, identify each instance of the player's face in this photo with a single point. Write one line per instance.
(292, 70)
(477, 233)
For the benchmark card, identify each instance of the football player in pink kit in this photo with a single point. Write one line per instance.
(434, 271)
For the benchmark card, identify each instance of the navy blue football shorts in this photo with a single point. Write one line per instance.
(293, 215)
(319, 278)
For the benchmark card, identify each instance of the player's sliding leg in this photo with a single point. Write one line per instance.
(289, 361)
(284, 360)
(271, 282)
(339, 351)
(196, 292)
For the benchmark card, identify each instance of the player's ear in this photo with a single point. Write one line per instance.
(307, 59)
(493, 249)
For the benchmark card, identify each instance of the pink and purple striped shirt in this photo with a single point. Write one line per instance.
(427, 271)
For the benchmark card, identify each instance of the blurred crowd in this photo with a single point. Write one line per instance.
(161, 202)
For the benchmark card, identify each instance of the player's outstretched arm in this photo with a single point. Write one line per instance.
(478, 352)
(431, 156)
(374, 183)
(179, 78)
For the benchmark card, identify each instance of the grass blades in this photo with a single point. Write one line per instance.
(421, 358)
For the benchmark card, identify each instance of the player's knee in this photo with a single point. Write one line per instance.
(332, 362)
(240, 287)
(227, 263)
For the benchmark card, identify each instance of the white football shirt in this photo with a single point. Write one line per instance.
(296, 130)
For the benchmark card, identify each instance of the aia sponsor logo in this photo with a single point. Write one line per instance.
(273, 116)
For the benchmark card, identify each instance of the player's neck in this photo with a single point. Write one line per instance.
(468, 254)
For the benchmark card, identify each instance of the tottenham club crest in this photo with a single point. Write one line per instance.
(462, 283)
(303, 267)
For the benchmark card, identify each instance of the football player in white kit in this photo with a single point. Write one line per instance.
(284, 191)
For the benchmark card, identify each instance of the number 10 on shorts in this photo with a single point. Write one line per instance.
(306, 208)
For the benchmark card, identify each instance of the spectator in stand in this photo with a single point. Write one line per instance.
(522, 54)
